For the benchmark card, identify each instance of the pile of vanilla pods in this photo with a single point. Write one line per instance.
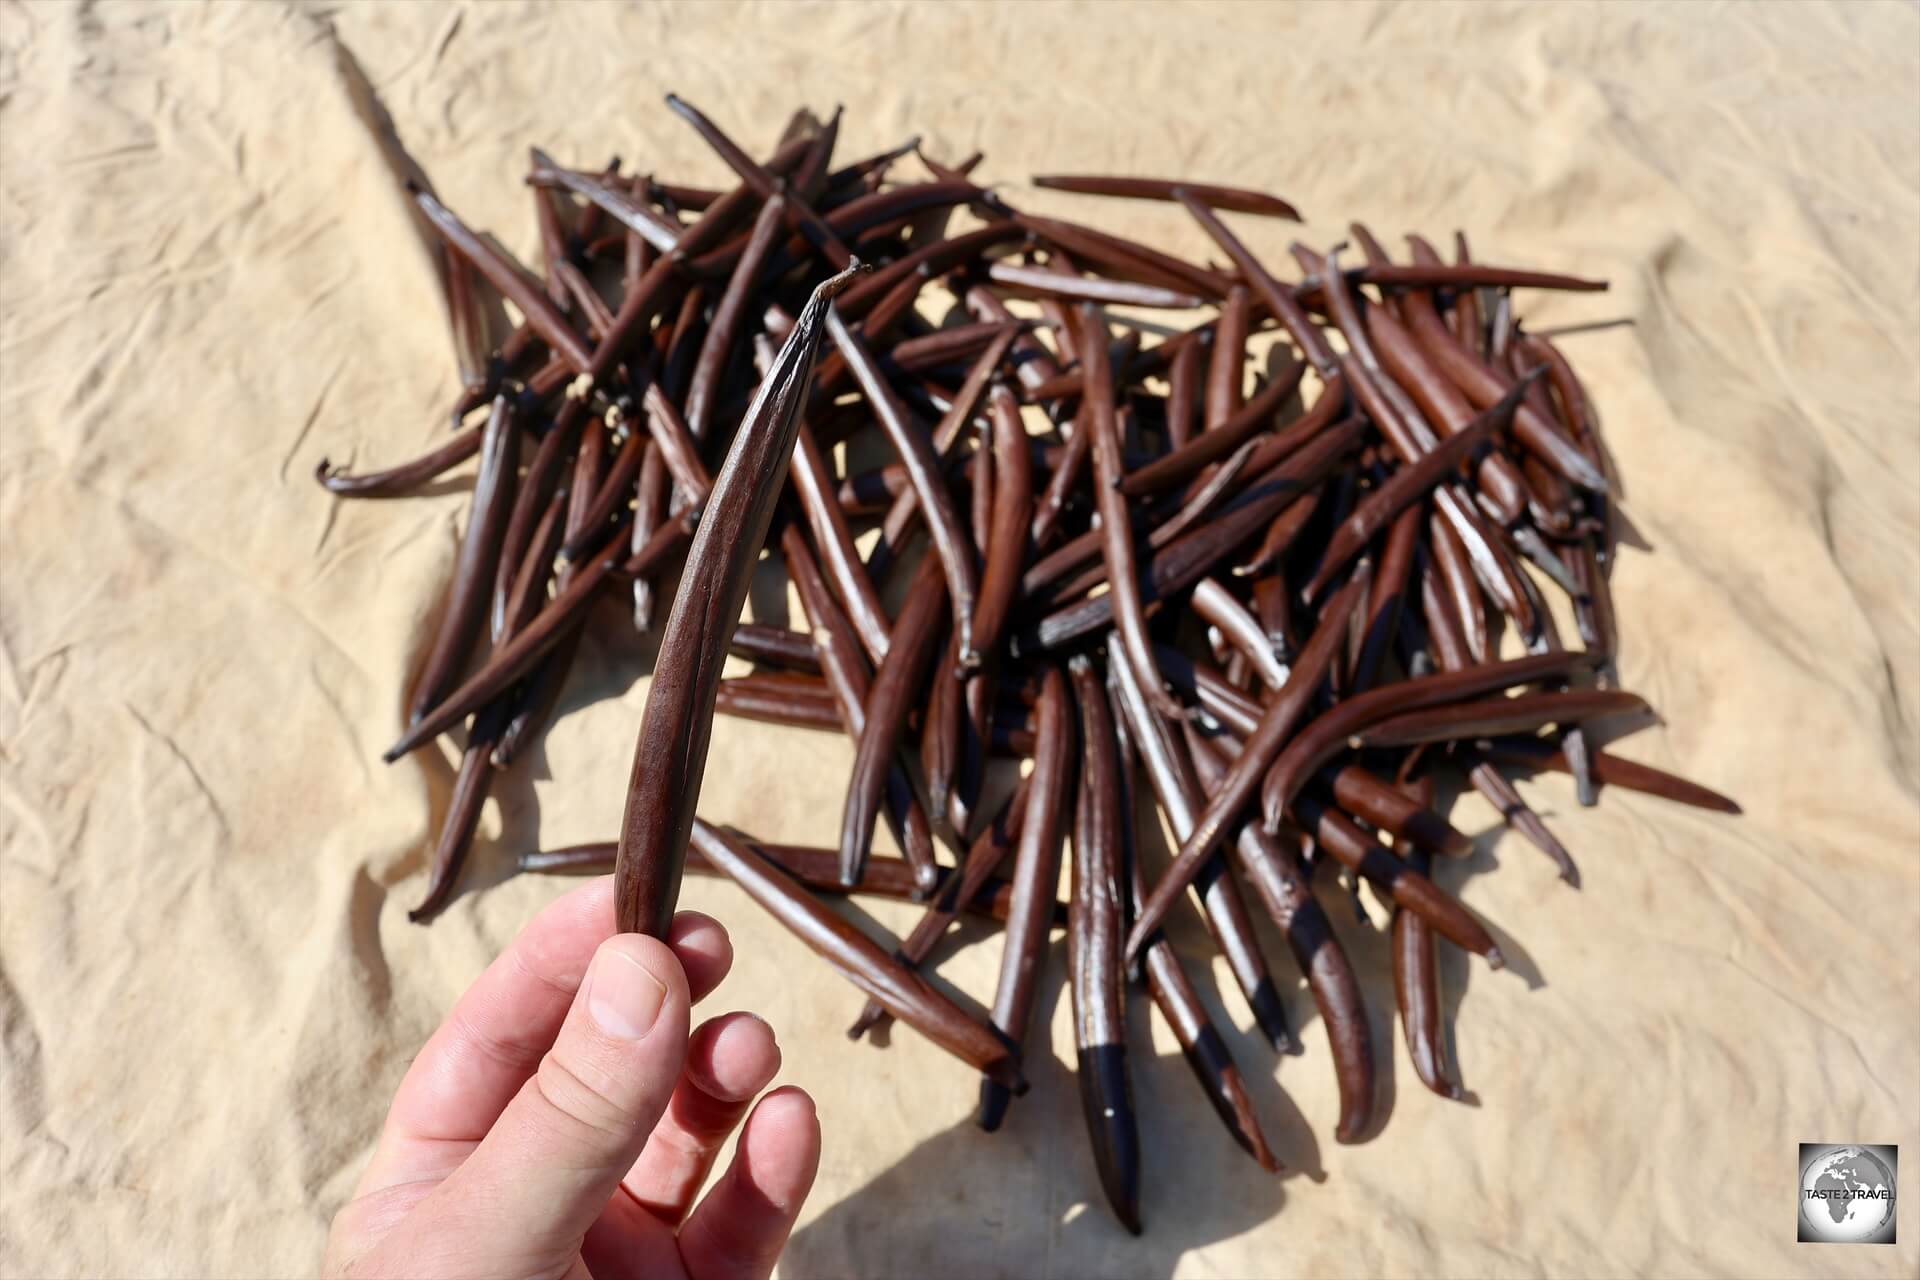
(1170, 528)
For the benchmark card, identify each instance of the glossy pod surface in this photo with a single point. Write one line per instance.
(672, 752)
(1095, 926)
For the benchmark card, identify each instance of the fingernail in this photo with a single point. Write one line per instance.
(623, 999)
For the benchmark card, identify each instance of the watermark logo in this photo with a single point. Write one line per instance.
(1847, 1193)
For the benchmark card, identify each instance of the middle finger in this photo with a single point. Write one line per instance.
(730, 1059)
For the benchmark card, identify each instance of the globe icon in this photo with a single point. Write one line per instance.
(1846, 1195)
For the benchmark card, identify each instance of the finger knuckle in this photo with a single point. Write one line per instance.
(583, 1101)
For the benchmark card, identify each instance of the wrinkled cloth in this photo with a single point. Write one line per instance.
(209, 280)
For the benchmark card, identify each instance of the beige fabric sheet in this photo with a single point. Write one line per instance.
(208, 987)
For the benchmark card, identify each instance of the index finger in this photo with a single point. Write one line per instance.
(490, 1043)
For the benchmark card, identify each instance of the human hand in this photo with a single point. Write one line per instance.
(561, 1120)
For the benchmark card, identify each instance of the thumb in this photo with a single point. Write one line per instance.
(528, 1193)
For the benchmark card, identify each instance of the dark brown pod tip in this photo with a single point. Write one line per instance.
(1106, 1095)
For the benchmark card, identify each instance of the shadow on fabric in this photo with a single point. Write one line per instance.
(1026, 1201)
